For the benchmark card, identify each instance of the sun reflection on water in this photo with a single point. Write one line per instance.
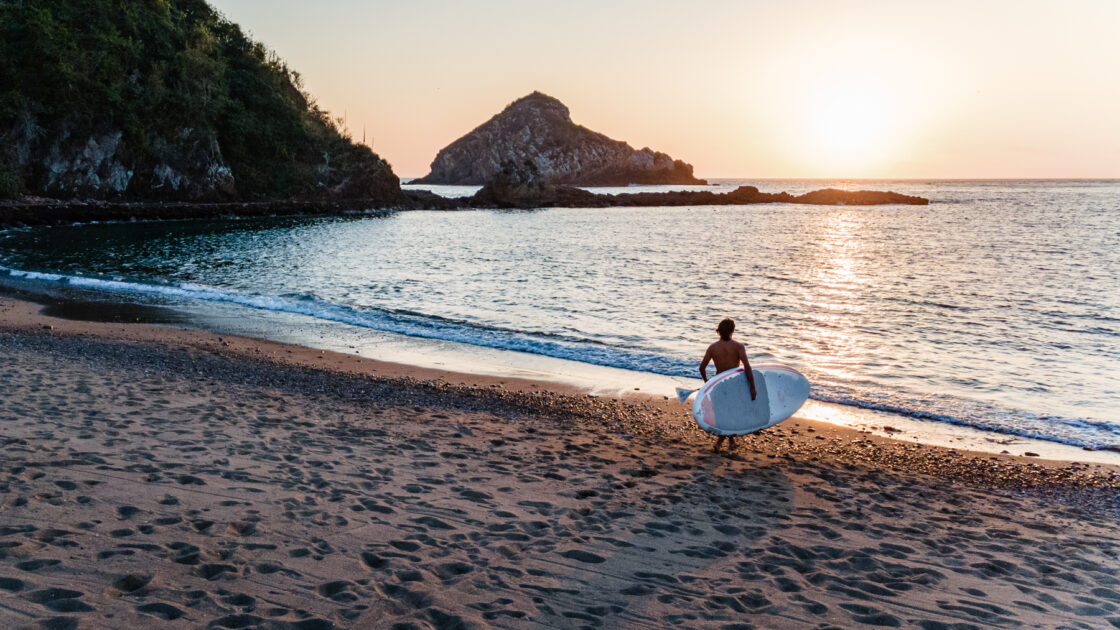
(833, 296)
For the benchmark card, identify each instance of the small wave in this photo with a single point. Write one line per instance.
(403, 322)
(1046, 428)
(951, 307)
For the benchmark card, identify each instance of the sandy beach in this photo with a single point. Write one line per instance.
(152, 475)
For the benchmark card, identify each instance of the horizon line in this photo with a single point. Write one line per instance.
(877, 179)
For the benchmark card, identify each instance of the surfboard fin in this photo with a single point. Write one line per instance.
(683, 394)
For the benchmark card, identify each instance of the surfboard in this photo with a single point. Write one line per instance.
(723, 405)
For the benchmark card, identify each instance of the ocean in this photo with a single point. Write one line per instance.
(996, 307)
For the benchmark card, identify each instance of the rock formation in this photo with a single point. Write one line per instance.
(520, 185)
(538, 129)
(165, 101)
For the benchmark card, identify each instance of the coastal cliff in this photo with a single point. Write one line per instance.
(163, 101)
(539, 129)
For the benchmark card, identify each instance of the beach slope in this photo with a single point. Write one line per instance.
(154, 475)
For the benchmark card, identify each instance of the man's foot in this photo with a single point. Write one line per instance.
(719, 440)
(731, 443)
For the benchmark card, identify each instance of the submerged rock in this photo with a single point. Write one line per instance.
(538, 129)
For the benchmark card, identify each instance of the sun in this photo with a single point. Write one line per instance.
(849, 124)
(846, 125)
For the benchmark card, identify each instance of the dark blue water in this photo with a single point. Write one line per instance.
(997, 306)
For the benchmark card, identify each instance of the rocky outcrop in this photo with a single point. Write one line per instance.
(167, 101)
(538, 129)
(520, 185)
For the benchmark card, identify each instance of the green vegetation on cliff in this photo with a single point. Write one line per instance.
(162, 99)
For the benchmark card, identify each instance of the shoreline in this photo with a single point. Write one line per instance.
(461, 359)
(526, 396)
(197, 479)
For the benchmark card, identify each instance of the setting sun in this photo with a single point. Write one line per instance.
(847, 123)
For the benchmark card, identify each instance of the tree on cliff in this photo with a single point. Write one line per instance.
(164, 99)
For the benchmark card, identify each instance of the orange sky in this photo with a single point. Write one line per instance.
(977, 89)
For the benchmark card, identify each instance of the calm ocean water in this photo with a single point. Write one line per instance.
(997, 306)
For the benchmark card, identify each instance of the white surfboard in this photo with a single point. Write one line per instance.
(723, 405)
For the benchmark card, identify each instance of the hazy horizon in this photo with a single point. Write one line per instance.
(852, 90)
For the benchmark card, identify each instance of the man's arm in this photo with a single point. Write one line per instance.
(747, 368)
(704, 364)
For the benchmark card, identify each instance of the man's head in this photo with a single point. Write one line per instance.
(725, 328)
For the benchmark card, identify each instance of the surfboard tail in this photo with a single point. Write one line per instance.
(683, 394)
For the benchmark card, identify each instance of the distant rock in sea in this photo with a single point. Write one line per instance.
(522, 186)
(539, 129)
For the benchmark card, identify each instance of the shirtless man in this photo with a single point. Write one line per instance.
(727, 354)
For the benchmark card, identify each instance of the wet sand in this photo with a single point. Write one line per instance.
(157, 475)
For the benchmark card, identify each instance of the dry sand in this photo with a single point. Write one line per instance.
(158, 476)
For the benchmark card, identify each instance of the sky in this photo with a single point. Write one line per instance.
(737, 88)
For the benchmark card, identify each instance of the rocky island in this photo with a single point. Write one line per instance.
(538, 128)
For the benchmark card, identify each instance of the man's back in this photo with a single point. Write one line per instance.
(726, 354)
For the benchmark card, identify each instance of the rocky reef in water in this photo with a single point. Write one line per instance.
(522, 186)
(538, 128)
(163, 101)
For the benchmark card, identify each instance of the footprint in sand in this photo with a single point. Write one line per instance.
(131, 583)
(59, 600)
(184, 553)
(432, 522)
(12, 585)
(405, 545)
(242, 601)
(583, 556)
(163, 611)
(215, 571)
(338, 591)
(32, 566)
(126, 512)
(370, 560)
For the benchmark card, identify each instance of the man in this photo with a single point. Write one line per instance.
(727, 354)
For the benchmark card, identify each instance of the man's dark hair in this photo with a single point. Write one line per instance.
(725, 328)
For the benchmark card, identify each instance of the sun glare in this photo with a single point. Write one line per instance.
(856, 104)
(848, 125)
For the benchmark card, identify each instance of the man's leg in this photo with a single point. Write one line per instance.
(719, 440)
